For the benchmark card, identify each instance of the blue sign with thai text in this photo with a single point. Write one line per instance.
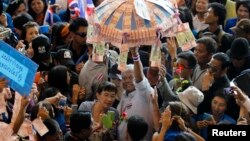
(18, 69)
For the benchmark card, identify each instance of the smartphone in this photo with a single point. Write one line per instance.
(74, 108)
(228, 90)
(207, 117)
(106, 122)
(111, 114)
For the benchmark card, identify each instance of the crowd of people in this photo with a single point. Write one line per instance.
(75, 98)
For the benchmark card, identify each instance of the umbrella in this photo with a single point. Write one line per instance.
(134, 22)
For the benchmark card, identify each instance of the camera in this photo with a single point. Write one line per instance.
(228, 90)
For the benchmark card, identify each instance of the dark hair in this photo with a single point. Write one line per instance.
(189, 57)
(106, 86)
(13, 6)
(79, 121)
(95, 2)
(48, 92)
(35, 109)
(137, 127)
(222, 93)
(186, 16)
(22, 19)
(1, 7)
(32, 13)
(26, 26)
(209, 43)
(194, 7)
(57, 77)
(78, 22)
(179, 109)
(56, 37)
(53, 127)
(185, 136)
(223, 58)
(219, 11)
(211, 35)
(244, 3)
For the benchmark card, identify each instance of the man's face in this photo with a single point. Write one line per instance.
(80, 36)
(106, 98)
(210, 18)
(215, 68)
(218, 106)
(182, 68)
(238, 63)
(242, 12)
(128, 81)
(201, 54)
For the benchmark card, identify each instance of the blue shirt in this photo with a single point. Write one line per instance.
(229, 24)
(171, 134)
(224, 119)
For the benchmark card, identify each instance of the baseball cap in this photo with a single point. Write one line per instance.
(64, 57)
(243, 26)
(41, 46)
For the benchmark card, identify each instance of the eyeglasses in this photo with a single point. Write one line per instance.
(82, 34)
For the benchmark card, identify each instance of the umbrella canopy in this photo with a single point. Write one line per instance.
(134, 22)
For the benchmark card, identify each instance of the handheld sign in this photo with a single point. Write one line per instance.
(17, 69)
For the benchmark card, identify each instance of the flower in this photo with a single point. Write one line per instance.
(124, 116)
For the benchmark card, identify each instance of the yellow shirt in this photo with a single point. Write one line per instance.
(230, 7)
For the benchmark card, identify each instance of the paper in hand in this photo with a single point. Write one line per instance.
(39, 126)
(155, 55)
(122, 60)
(98, 51)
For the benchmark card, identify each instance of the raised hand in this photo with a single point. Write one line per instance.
(43, 113)
(166, 119)
(172, 47)
(239, 96)
(207, 81)
(162, 72)
(181, 122)
(134, 51)
(82, 93)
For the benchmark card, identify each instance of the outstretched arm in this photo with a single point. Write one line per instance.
(138, 71)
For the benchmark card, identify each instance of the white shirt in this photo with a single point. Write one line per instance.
(198, 25)
(139, 103)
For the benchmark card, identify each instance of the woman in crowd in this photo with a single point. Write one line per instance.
(175, 120)
(16, 7)
(199, 11)
(38, 8)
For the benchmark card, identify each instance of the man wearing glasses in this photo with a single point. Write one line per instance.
(78, 47)
(215, 79)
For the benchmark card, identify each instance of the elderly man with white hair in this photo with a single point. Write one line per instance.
(137, 97)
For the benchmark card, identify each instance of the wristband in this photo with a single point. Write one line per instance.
(136, 58)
